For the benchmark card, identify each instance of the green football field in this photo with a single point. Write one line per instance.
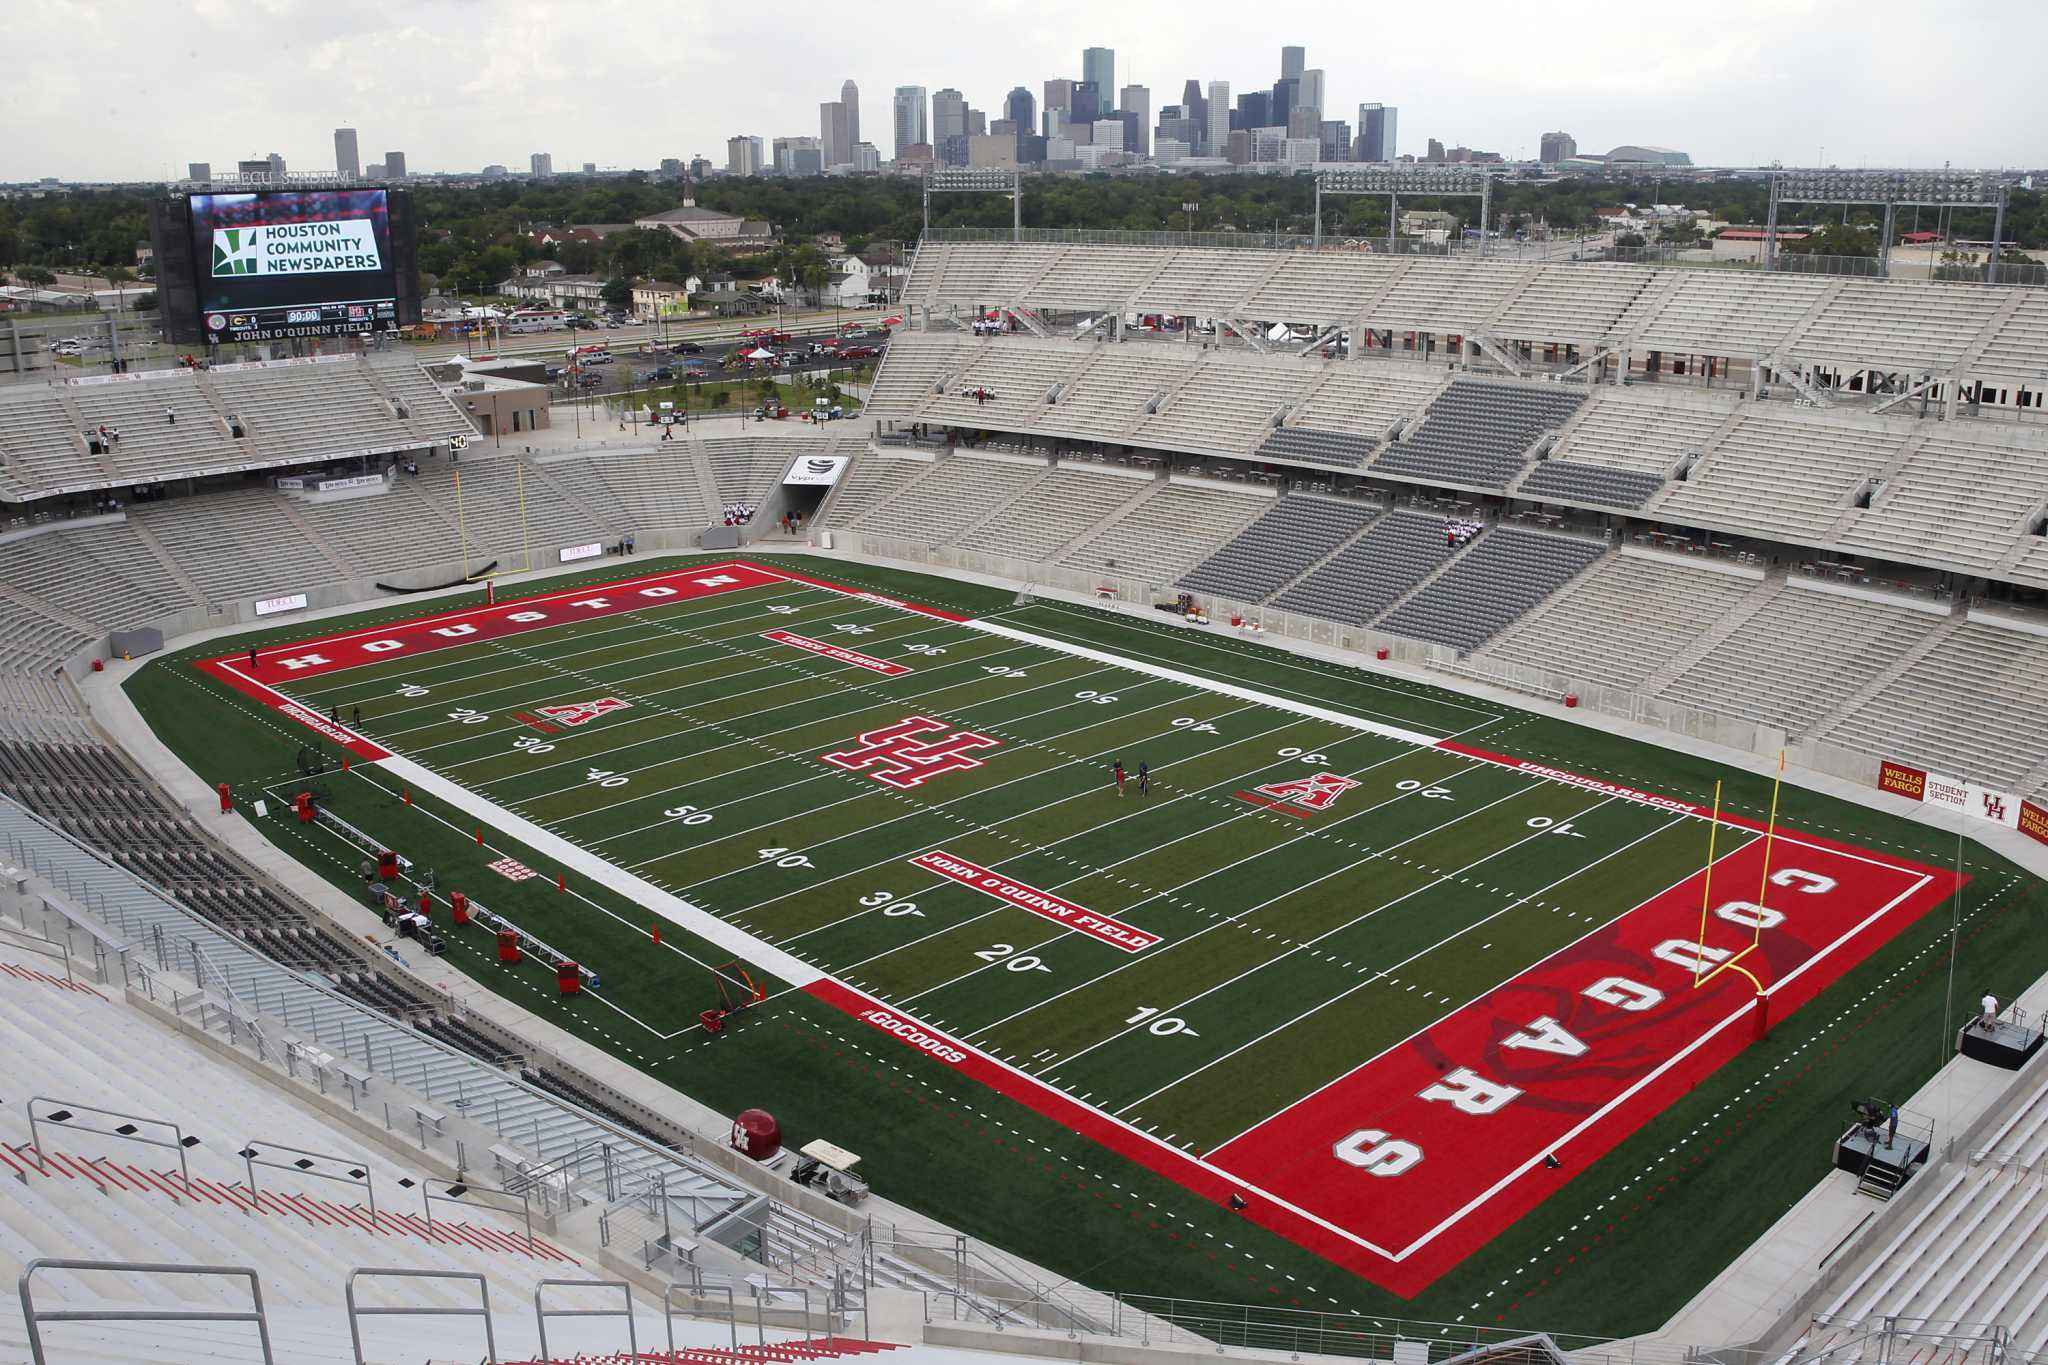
(1265, 919)
(923, 811)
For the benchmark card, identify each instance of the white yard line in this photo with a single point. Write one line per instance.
(1390, 969)
(1451, 875)
(1167, 894)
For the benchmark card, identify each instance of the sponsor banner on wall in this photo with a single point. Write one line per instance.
(1996, 807)
(1900, 780)
(815, 471)
(590, 551)
(290, 602)
(2033, 822)
(353, 481)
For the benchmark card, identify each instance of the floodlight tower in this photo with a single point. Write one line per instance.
(1942, 189)
(1398, 181)
(976, 180)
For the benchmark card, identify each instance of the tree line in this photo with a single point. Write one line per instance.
(474, 236)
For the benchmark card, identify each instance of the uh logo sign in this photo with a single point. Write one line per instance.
(911, 752)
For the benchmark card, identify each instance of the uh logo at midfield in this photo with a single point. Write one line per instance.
(911, 752)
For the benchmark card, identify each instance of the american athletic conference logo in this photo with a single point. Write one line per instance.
(234, 250)
(899, 755)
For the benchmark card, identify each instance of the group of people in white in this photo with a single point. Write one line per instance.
(738, 513)
(1458, 530)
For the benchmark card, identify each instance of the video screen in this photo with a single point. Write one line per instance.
(293, 263)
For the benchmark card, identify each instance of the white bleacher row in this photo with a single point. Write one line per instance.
(1876, 323)
(1756, 470)
(2016, 345)
(1782, 475)
(288, 411)
(1893, 324)
(1066, 503)
(92, 1049)
(1640, 437)
(1161, 537)
(1616, 625)
(69, 581)
(1208, 402)
(1801, 654)
(952, 496)
(1974, 1250)
(1975, 706)
(535, 1122)
(1957, 500)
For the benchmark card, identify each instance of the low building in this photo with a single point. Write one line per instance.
(727, 230)
(664, 298)
(584, 292)
(501, 407)
(870, 277)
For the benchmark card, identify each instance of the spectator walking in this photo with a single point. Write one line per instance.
(171, 416)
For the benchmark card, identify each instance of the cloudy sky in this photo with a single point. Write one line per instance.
(134, 89)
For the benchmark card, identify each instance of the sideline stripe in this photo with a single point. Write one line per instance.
(595, 867)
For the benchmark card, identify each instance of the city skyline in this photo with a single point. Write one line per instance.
(1738, 92)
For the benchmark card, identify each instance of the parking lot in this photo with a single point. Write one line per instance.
(641, 364)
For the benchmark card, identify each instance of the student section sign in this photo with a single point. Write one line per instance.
(1967, 798)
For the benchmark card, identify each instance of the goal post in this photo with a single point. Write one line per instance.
(1759, 912)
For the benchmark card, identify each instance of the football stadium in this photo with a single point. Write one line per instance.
(1269, 799)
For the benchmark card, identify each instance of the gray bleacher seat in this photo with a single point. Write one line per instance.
(1337, 449)
(1274, 550)
(1478, 432)
(1505, 573)
(1361, 580)
(1565, 481)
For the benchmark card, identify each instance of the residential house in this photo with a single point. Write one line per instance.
(664, 298)
(584, 292)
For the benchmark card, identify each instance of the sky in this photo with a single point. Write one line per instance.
(135, 89)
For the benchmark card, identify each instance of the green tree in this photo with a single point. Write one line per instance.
(34, 275)
(1836, 239)
(145, 303)
(617, 293)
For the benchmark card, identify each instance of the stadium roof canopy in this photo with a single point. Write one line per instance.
(1629, 154)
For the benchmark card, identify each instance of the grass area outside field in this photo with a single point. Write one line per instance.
(1615, 1251)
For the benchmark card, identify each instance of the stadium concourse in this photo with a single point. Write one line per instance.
(1739, 514)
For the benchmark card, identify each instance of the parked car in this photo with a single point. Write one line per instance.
(583, 324)
(660, 374)
(590, 381)
(858, 352)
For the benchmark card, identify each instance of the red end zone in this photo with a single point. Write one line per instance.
(1403, 1167)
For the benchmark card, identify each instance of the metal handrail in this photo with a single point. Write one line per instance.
(351, 1172)
(698, 1291)
(34, 1317)
(355, 1334)
(179, 1142)
(458, 1192)
(541, 1315)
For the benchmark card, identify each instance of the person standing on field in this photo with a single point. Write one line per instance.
(1118, 772)
(1144, 778)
